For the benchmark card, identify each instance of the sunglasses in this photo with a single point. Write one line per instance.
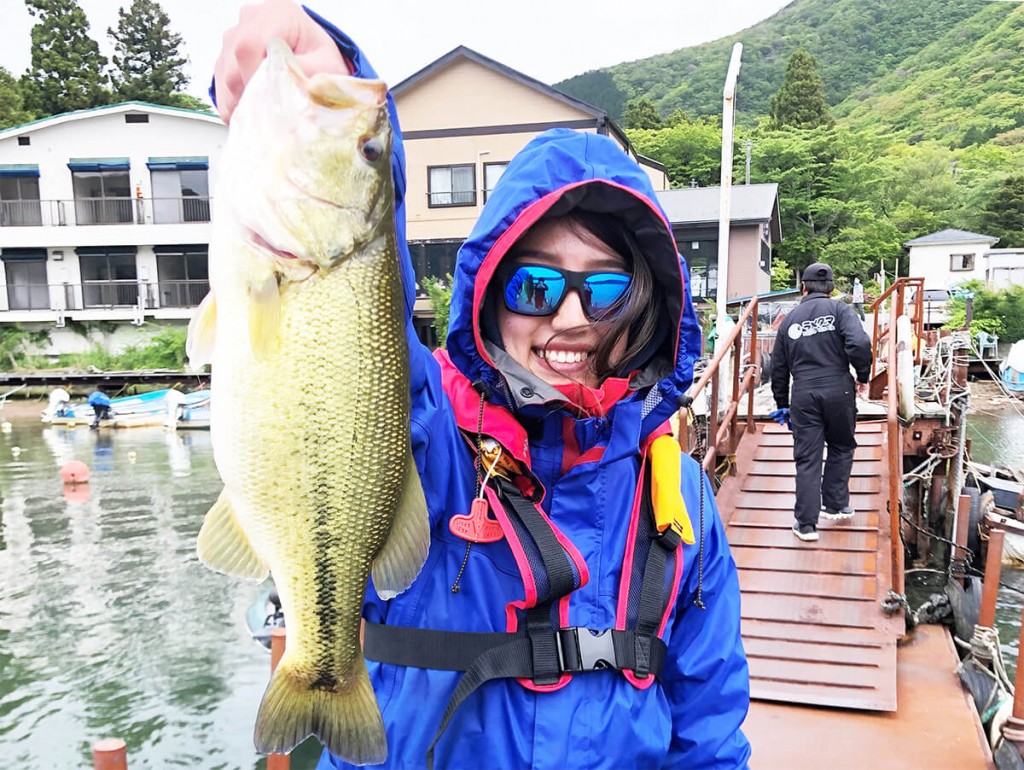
(539, 290)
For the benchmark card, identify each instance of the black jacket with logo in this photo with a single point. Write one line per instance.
(821, 338)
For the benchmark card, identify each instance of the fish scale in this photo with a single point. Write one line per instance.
(310, 391)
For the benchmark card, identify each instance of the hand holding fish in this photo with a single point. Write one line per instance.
(245, 46)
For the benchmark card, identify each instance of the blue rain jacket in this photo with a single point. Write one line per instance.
(691, 718)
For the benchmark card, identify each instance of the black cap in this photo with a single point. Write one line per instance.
(819, 271)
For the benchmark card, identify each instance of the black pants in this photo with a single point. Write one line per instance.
(823, 412)
(101, 412)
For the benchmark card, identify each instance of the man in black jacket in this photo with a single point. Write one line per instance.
(817, 344)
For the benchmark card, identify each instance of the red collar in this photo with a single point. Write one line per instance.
(595, 401)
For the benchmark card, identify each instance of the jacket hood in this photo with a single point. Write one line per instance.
(557, 172)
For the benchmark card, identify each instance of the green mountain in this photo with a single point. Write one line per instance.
(966, 88)
(856, 42)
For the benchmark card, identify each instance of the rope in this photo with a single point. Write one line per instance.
(986, 650)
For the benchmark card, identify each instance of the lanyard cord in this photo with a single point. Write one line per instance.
(480, 388)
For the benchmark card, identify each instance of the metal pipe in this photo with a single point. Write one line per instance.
(990, 586)
(728, 122)
(960, 528)
(895, 462)
(110, 754)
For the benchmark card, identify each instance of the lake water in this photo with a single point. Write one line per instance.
(109, 626)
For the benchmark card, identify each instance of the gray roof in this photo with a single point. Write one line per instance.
(749, 204)
(943, 237)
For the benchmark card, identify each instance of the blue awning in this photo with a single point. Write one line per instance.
(19, 169)
(23, 255)
(99, 164)
(195, 163)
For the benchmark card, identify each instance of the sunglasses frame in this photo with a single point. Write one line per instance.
(573, 280)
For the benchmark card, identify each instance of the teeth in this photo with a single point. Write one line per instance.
(563, 356)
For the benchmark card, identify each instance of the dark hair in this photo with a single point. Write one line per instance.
(821, 287)
(638, 312)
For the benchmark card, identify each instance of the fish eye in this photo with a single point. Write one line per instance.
(372, 148)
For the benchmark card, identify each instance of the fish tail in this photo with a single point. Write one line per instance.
(346, 718)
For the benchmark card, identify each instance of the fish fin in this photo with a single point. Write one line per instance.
(403, 554)
(264, 314)
(223, 545)
(345, 718)
(202, 333)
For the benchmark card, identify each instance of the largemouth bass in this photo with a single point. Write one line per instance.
(304, 329)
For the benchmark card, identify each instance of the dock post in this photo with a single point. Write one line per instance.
(110, 754)
(1013, 727)
(993, 569)
(277, 645)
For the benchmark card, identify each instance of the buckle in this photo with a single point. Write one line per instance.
(580, 649)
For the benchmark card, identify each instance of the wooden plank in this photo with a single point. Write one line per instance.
(866, 698)
(786, 453)
(786, 468)
(852, 613)
(759, 517)
(815, 672)
(802, 584)
(844, 539)
(786, 439)
(786, 501)
(800, 651)
(817, 560)
(762, 483)
(825, 636)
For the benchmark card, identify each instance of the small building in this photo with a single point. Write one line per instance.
(105, 220)
(949, 257)
(755, 228)
(1004, 268)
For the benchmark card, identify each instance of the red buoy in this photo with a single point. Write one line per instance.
(74, 472)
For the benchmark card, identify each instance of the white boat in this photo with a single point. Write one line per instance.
(169, 407)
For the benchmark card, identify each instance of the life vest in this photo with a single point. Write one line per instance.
(538, 648)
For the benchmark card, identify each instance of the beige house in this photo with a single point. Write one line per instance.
(463, 117)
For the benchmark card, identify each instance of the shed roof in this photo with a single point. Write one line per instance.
(749, 204)
(950, 236)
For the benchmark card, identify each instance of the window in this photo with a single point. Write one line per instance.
(24, 141)
(451, 186)
(19, 200)
(108, 277)
(181, 195)
(102, 197)
(434, 259)
(26, 279)
(183, 274)
(492, 173)
(961, 262)
(136, 118)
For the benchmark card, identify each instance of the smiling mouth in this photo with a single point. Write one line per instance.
(562, 356)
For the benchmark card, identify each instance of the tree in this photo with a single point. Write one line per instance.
(800, 102)
(147, 58)
(641, 113)
(1003, 214)
(12, 102)
(689, 151)
(67, 67)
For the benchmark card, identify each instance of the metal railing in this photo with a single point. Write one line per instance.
(91, 295)
(724, 434)
(88, 212)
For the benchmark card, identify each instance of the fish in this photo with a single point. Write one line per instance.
(304, 332)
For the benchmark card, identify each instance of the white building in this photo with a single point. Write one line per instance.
(104, 217)
(1004, 268)
(949, 257)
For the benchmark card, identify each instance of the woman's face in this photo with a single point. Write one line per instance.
(526, 338)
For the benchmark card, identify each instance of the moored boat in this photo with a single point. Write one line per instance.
(1011, 370)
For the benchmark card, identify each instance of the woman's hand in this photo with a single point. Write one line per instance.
(244, 46)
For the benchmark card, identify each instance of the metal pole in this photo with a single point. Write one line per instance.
(990, 586)
(728, 118)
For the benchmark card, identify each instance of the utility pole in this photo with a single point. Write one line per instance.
(724, 213)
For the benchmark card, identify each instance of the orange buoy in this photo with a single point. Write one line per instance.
(110, 754)
(74, 472)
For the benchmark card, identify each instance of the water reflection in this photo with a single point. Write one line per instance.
(109, 626)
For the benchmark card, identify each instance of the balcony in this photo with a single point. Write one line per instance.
(131, 299)
(104, 211)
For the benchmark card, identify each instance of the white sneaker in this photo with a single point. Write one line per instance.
(806, 532)
(841, 515)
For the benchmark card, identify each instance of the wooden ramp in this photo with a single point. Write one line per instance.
(813, 625)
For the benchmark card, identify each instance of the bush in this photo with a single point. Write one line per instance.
(440, 292)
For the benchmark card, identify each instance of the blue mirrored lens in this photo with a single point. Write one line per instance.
(602, 290)
(534, 290)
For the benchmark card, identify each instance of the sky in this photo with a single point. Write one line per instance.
(549, 40)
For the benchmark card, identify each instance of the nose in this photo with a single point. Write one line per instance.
(570, 313)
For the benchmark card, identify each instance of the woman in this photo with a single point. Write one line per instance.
(565, 617)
